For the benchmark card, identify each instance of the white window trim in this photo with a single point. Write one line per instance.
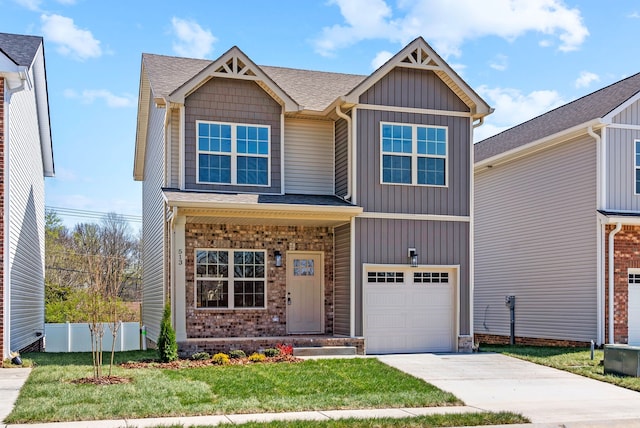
(635, 167)
(233, 154)
(230, 280)
(633, 271)
(415, 155)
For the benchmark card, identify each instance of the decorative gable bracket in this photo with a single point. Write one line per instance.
(419, 58)
(236, 67)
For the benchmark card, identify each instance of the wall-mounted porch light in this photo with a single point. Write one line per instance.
(413, 257)
(278, 257)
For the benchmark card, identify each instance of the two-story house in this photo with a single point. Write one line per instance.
(557, 203)
(306, 207)
(26, 157)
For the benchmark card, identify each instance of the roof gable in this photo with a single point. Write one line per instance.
(419, 55)
(235, 64)
(19, 48)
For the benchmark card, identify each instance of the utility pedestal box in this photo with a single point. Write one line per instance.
(622, 360)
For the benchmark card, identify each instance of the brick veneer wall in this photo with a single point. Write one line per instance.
(626, 255)
(221, 323)
(2, 314)
(492, 339)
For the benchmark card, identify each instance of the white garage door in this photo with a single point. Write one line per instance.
(409, 310)
(633, 311)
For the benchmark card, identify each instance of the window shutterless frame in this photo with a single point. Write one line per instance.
(237, 154)
(230, 279)
(414, 154)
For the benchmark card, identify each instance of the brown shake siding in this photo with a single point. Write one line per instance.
(271, 321)
(231, 101)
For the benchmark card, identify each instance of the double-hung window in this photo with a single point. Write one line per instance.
(230, 279)
(413, 154)
(231, 153)
(637, 166)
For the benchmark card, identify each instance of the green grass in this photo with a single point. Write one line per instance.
(459, 420)
(50, 395)
(574, 360)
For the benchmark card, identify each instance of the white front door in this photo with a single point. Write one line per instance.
(305, 308)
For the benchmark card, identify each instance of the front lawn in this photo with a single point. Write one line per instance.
(50, 395)
(574, 360)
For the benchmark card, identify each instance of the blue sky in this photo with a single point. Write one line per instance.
(523, 57)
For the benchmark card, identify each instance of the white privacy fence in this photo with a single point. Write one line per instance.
(76, 337)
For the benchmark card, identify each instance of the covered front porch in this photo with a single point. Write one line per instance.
(250, 272)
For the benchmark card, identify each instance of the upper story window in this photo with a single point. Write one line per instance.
(413, 154)
(637, 166)
(232, 153)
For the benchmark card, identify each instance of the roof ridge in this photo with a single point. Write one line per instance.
(312, 71)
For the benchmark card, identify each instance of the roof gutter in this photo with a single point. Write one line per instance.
(539, 144)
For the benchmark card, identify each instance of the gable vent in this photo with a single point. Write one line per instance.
(235, 66)
(420, 57)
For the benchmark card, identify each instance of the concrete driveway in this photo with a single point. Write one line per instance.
(496, 382)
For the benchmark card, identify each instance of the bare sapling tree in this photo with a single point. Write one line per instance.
(87, 242)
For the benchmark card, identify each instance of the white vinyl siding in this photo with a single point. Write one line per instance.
(536, 238)
(24, 196)
(309, 157)
(153, 226)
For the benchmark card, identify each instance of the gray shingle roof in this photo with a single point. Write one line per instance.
(21, 49)
(315, 90)
(592, 106)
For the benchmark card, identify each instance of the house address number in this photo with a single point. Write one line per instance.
(180, 256)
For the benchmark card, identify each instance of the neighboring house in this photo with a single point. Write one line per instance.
(557, 204)
(26, 157)
(285, 206)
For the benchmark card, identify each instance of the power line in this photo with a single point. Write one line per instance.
(73, 212)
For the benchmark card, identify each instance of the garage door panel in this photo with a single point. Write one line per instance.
(410, 317)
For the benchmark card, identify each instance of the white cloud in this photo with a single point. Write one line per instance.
(586, 78)
(30, 4)
(512, 107)
(634, 15)
(500, 62)
(193, 41)
(380, 59)
(89, 96)
(71, 40)
(447, 27)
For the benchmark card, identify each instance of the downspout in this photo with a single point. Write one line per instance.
(347, 118)
(612, 234)
(600, 233)
(172, 282)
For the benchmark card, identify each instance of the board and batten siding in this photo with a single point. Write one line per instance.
(621, 174)
(342, 157)
(386, 241)
(24, 198)
(174, 149)
(153, 225)
(309, 157)
(342, 280)
(536, 238)
(232, 101)
(454, 199)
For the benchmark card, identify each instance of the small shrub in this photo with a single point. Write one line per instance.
(220, 359)
(167, 345)
(201, 356)
(257, 358)
(285, 349)
(271, 352)
(237, 354)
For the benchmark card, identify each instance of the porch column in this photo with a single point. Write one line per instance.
(180, 295)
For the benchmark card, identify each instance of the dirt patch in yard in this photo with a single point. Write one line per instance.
(182, 364)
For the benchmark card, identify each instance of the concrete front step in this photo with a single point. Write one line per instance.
(322, 351)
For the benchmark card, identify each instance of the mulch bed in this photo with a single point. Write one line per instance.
(102, 380)
(183, 364)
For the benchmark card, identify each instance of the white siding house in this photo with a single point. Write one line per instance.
(25, 142)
